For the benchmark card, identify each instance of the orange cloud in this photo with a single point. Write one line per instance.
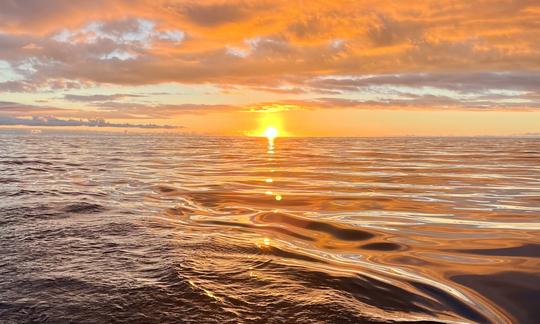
(287, 37)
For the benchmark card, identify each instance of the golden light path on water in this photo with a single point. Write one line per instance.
(269, 229)
(265, 243)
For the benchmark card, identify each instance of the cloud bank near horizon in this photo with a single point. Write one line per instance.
(52, 121)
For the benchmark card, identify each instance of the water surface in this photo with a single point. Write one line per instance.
(128, 228)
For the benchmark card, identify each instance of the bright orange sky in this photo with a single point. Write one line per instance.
(317, 68)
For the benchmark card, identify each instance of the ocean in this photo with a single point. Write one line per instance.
(126, 228)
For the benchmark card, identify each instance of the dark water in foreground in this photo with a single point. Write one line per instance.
(220, 230)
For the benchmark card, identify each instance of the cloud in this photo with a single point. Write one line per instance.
(512, 89)
(463, 82)
(286, 40)
(32, 86)
(112, 109)
(100, 98)
(18, 86)
(273, 107)
(386, 31)
(13, 109)
(164, 111)
(433, 54)
(214, 14)
(56, 122)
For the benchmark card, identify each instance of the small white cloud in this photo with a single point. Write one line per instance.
(7, 73)
(171, 35)
(140, 31)
(62, 36)
(337, 43)
(235, 51)
(118, 54)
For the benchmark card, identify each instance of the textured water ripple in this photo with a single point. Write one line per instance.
(226, 230)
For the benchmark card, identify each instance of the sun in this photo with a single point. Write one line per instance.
(271, 132)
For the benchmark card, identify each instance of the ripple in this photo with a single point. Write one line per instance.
(527, 250)
(83, 208)
(188, 229)
(339, 232)
(382, 246)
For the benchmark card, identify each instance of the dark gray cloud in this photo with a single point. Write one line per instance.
(511, 89)
(161, 110)
(13, 113)
(39, 85)
(111, 110)
(57, 122)
(19, 86)
(462, 82)
(9, 108)
(427, 101)
(214, 14)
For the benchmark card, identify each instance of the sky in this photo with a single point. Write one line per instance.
(308, 68)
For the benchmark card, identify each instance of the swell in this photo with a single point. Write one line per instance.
(273, 229)
(191, 229)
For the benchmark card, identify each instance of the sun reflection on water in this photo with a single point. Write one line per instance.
(265, 243)
(271, 133)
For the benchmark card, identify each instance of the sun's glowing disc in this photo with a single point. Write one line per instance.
(271, 132)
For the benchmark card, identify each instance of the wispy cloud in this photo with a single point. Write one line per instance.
(100, 98)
